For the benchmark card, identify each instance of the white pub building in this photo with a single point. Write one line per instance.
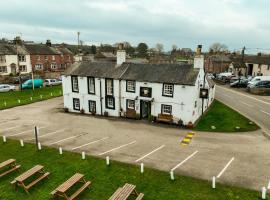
(162, 92)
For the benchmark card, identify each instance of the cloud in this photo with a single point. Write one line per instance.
(181, 22)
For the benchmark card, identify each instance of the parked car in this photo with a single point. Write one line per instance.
(257, 79)
(261, 87)
(16, 80)
(6, 88)
(29, 84)
(210, 76)
(240, 83)
(52, 82)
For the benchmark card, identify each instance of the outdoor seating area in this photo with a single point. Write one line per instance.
(164, 118)
(125, 192)
(8, 166)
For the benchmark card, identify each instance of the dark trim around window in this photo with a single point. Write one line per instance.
(95, 109)
(106, 102)
(127, 86)
(74, 108)
(127, 104)
(162, 108)
(165, 95)
(72, 83)
(88, 86)
(106, 86)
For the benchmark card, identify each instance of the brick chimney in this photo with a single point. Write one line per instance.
(120, 55)
(17, 40)
(48, 43)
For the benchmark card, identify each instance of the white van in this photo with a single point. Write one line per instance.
(256, 79)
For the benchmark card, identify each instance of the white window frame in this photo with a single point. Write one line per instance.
(91, 85)
(168, 90)
(166, 109)
(109, 86)
(3, 69)
(38, 66)
(23, 68)
(53, 66)
(21, 58)
(76, 104)
(110, 102)
(131, 86)
(131, 104)
(53, 57)
(92, 106)
(75, 83)
(2, 58)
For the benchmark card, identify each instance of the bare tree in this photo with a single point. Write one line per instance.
(218, 47)
(159, 47)
(174, 47)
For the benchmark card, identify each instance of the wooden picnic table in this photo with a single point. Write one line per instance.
(11, 166)
(63, 188)
(124, 192)
(20, 180)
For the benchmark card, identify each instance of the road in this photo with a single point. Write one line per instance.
(256, 108)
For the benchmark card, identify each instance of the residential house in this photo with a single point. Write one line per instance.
(137, 90)
(217, 63)
(258, 65)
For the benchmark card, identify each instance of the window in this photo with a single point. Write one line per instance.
(91, 85)
(167, 90)
(22, 58)
(46, 57)
(109, 86)
(166, 109)
(2, 59)
(53, 57)
(53, 66)
(92, 106)
(38, 66)
(130, 104)
(110, 102)
(3, 69)
(195, 104)
(76, 104)
(130, 86)
(38, 58)
(22, 68)
(63, 66)
(75, 84)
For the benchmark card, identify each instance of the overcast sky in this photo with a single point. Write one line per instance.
(185, 23)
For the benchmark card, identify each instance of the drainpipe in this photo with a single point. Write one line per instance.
(100, 92)
(120, 104)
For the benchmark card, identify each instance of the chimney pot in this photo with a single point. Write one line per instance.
(48, 43)
(199, 50)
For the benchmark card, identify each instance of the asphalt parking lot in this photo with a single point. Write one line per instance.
(238, 159)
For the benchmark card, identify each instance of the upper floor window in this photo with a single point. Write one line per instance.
(167, 90)
(166, 109)
(109, 86)
(46, 57)
(38, 66)
(38, 58)
(22, 58)
(22, 68)
(53, 66)
(91, 85)
(130, 86)
(75, 84)
(3, 69)
(2, 59)
(53, 57)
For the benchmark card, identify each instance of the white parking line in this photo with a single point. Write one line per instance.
(63, 140)
(10, 128)
(265, 112)
(161, 147)
(181, 163)
(224, 169)
(117, 148)
(105, 138)
(51, 133)
(246, 104)
(25, 131)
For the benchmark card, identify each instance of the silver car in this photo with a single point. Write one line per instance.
(6, 88)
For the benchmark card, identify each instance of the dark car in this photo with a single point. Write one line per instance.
(16, 80)
(242, 83)
(262, 87)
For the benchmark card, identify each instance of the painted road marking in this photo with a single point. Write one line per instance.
(227, 96)
(51, 133)
(25, 131)
(10, 128)
(246, 104)
(69, 138)
(265, 112)
(105, 138)
(224, 169)
(244, 95)
(181, 163)
(161, 147)
(122, 146)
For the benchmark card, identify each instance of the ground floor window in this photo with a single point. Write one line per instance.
(76, 104)
(92, 106)
(110, 102)
(130, 104)
(3, 69)
(166, 109)
(53, 66)
(22, 68)
(38, 66)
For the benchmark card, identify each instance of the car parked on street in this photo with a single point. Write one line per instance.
(29, 84)
(52, 82)
(6, 87)
(240, 83)
(257, 79)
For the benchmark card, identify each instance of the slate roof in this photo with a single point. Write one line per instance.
(239, 64)
(157, 73)
(258, 59)
(7, 50)
(41, 49)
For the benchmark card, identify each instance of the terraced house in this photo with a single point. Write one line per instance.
(164, 92)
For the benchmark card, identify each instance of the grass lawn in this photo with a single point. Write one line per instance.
(10, 99)
(105, 180)
(224, 119)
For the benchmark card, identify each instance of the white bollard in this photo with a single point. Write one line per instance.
(263, 193)
(31, 98)
(41, 96)
(4, 139)
(142, 167)
(107, 160)
(51, 94)
(268, 187)
(83, 155)
(60, 150)
(19, 101)
(39, 146)
(172, 175)
(22, 144)
(5, 103)
(214, 182)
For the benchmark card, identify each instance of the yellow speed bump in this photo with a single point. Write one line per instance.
(187, 139)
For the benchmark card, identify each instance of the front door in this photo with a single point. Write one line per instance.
(145, 109)
(13, 69)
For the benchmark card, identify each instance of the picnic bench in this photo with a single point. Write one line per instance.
(8, 166)
(63, 189)
(124, 192)
(165, 118)
(21, 180)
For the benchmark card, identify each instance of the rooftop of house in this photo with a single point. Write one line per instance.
(41, 49)
(257, 59)
(11, 49)
(182, 74)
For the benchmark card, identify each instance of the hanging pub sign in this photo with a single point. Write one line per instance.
(145, 92)
(203, 93)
